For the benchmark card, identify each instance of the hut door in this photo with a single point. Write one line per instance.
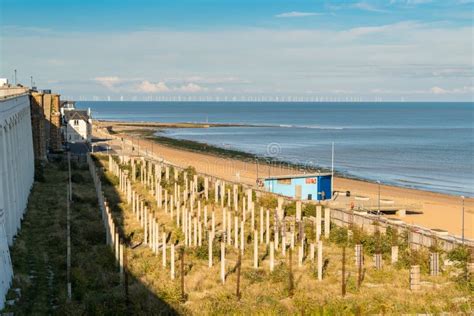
(298, 192)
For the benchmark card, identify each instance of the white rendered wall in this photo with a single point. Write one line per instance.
(16, 177)
(78, 133)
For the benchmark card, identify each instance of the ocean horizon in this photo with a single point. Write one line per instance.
(422, 145)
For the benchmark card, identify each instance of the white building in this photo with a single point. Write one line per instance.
(77, 126)
(16, 173)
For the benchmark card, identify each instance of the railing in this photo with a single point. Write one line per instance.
(111, 228)
(417, 236)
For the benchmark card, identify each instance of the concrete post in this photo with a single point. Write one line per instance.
(378, 261)
(320, 260)
(261, 224)
(242, 236)
(117, 247)
(249, 199)
(121, 262)
(210, 242)
(223, 262)
(358, 255)
(255, 249)
(236, 198)
(276, 238)
(327, 222)
(434, 264)
(280, 207)
(415, 278)
(163, 246)
(172, 261)
(318, 222)
(301, 254)
(145, 226)
(298, 211)
(272, 256)
(252, 217)
(394, 254)
(224, 219)
(283, 244)
(236, 232)
(267, 232)
(195, 240)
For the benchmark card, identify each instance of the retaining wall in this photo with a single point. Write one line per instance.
(16, 177)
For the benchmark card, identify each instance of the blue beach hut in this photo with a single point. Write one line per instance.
(315, 186)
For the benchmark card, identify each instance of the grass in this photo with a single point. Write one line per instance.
(265, 292)
(39, 252)
(39, 263)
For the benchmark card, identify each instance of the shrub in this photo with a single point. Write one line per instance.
(39, 172)
(77, 178)
(338, 235)
(268, 201)
(254, 275)
(309, 210)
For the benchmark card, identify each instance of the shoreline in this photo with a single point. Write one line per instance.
(430, 209)
(149, 129)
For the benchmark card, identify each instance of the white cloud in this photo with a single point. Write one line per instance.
(367, 7)
(388, 29)
(410, 2)
(214, 80)
(438, 90)
(296, 14)
(463, 90)
(150, 87)
(191, 88)
(433, 90)
(405, 56)
(161, 86)
(108, 82)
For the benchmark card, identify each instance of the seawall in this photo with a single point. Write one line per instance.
(16, 176)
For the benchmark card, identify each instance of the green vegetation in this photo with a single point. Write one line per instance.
(265, 292)
(39, 252)
(40, 265)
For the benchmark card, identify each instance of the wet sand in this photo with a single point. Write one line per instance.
(436, 210)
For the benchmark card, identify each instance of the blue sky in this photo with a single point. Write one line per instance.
(410, 49)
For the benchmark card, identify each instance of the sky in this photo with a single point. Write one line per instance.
(412, 50)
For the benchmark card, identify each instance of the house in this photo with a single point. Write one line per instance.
(315, 186)
(67, 106)
(77, 126)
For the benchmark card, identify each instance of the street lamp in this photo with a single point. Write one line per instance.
(378, 211)
(462, 236)
(256, 160)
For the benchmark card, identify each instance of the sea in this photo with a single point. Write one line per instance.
(423, 145)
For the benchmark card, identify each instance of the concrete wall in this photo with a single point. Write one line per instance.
(16, 176)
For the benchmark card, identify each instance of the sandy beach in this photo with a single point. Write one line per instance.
(433, 210)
